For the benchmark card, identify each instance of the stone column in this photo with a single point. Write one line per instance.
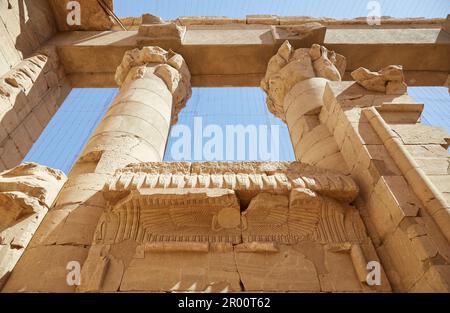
(295, 82)
(370, 129)
(154, 87)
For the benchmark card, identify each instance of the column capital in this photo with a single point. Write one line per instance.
(167, 65)
(289, 67)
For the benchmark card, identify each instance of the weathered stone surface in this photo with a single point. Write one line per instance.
(289, 67)
(93, 17)
(300, 35)
(30, 93)
(286, 270)
(262, 19)
(26, 193)
(295, 82)
(389, 79)
(155, 85)
(26, 188)
(208, 20)
(420, 134)
(167, 65)
(154, 30)
(49, 274)
(396, 163)
(243, 177)
(185, 214)
(227, 226)
(179, 227)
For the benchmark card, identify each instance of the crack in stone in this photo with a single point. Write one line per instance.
(241, 283)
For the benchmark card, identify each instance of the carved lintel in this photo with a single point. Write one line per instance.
(300, 35)
(247, 179)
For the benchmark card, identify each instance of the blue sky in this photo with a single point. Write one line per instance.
(170, 9)
(66, 134)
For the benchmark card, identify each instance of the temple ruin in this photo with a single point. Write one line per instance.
(370, 184)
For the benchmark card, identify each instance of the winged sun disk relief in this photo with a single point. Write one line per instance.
(214, 216)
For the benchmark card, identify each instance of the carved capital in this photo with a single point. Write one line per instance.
(246, 178)
(303, 35)
(289, 67)
(167, 65)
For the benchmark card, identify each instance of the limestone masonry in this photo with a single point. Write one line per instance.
(370, 185)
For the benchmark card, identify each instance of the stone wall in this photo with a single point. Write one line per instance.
(401, 168)
(25, 26)
(370, 129)
(32, 82)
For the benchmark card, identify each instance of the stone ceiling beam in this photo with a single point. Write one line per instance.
(237, 55)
